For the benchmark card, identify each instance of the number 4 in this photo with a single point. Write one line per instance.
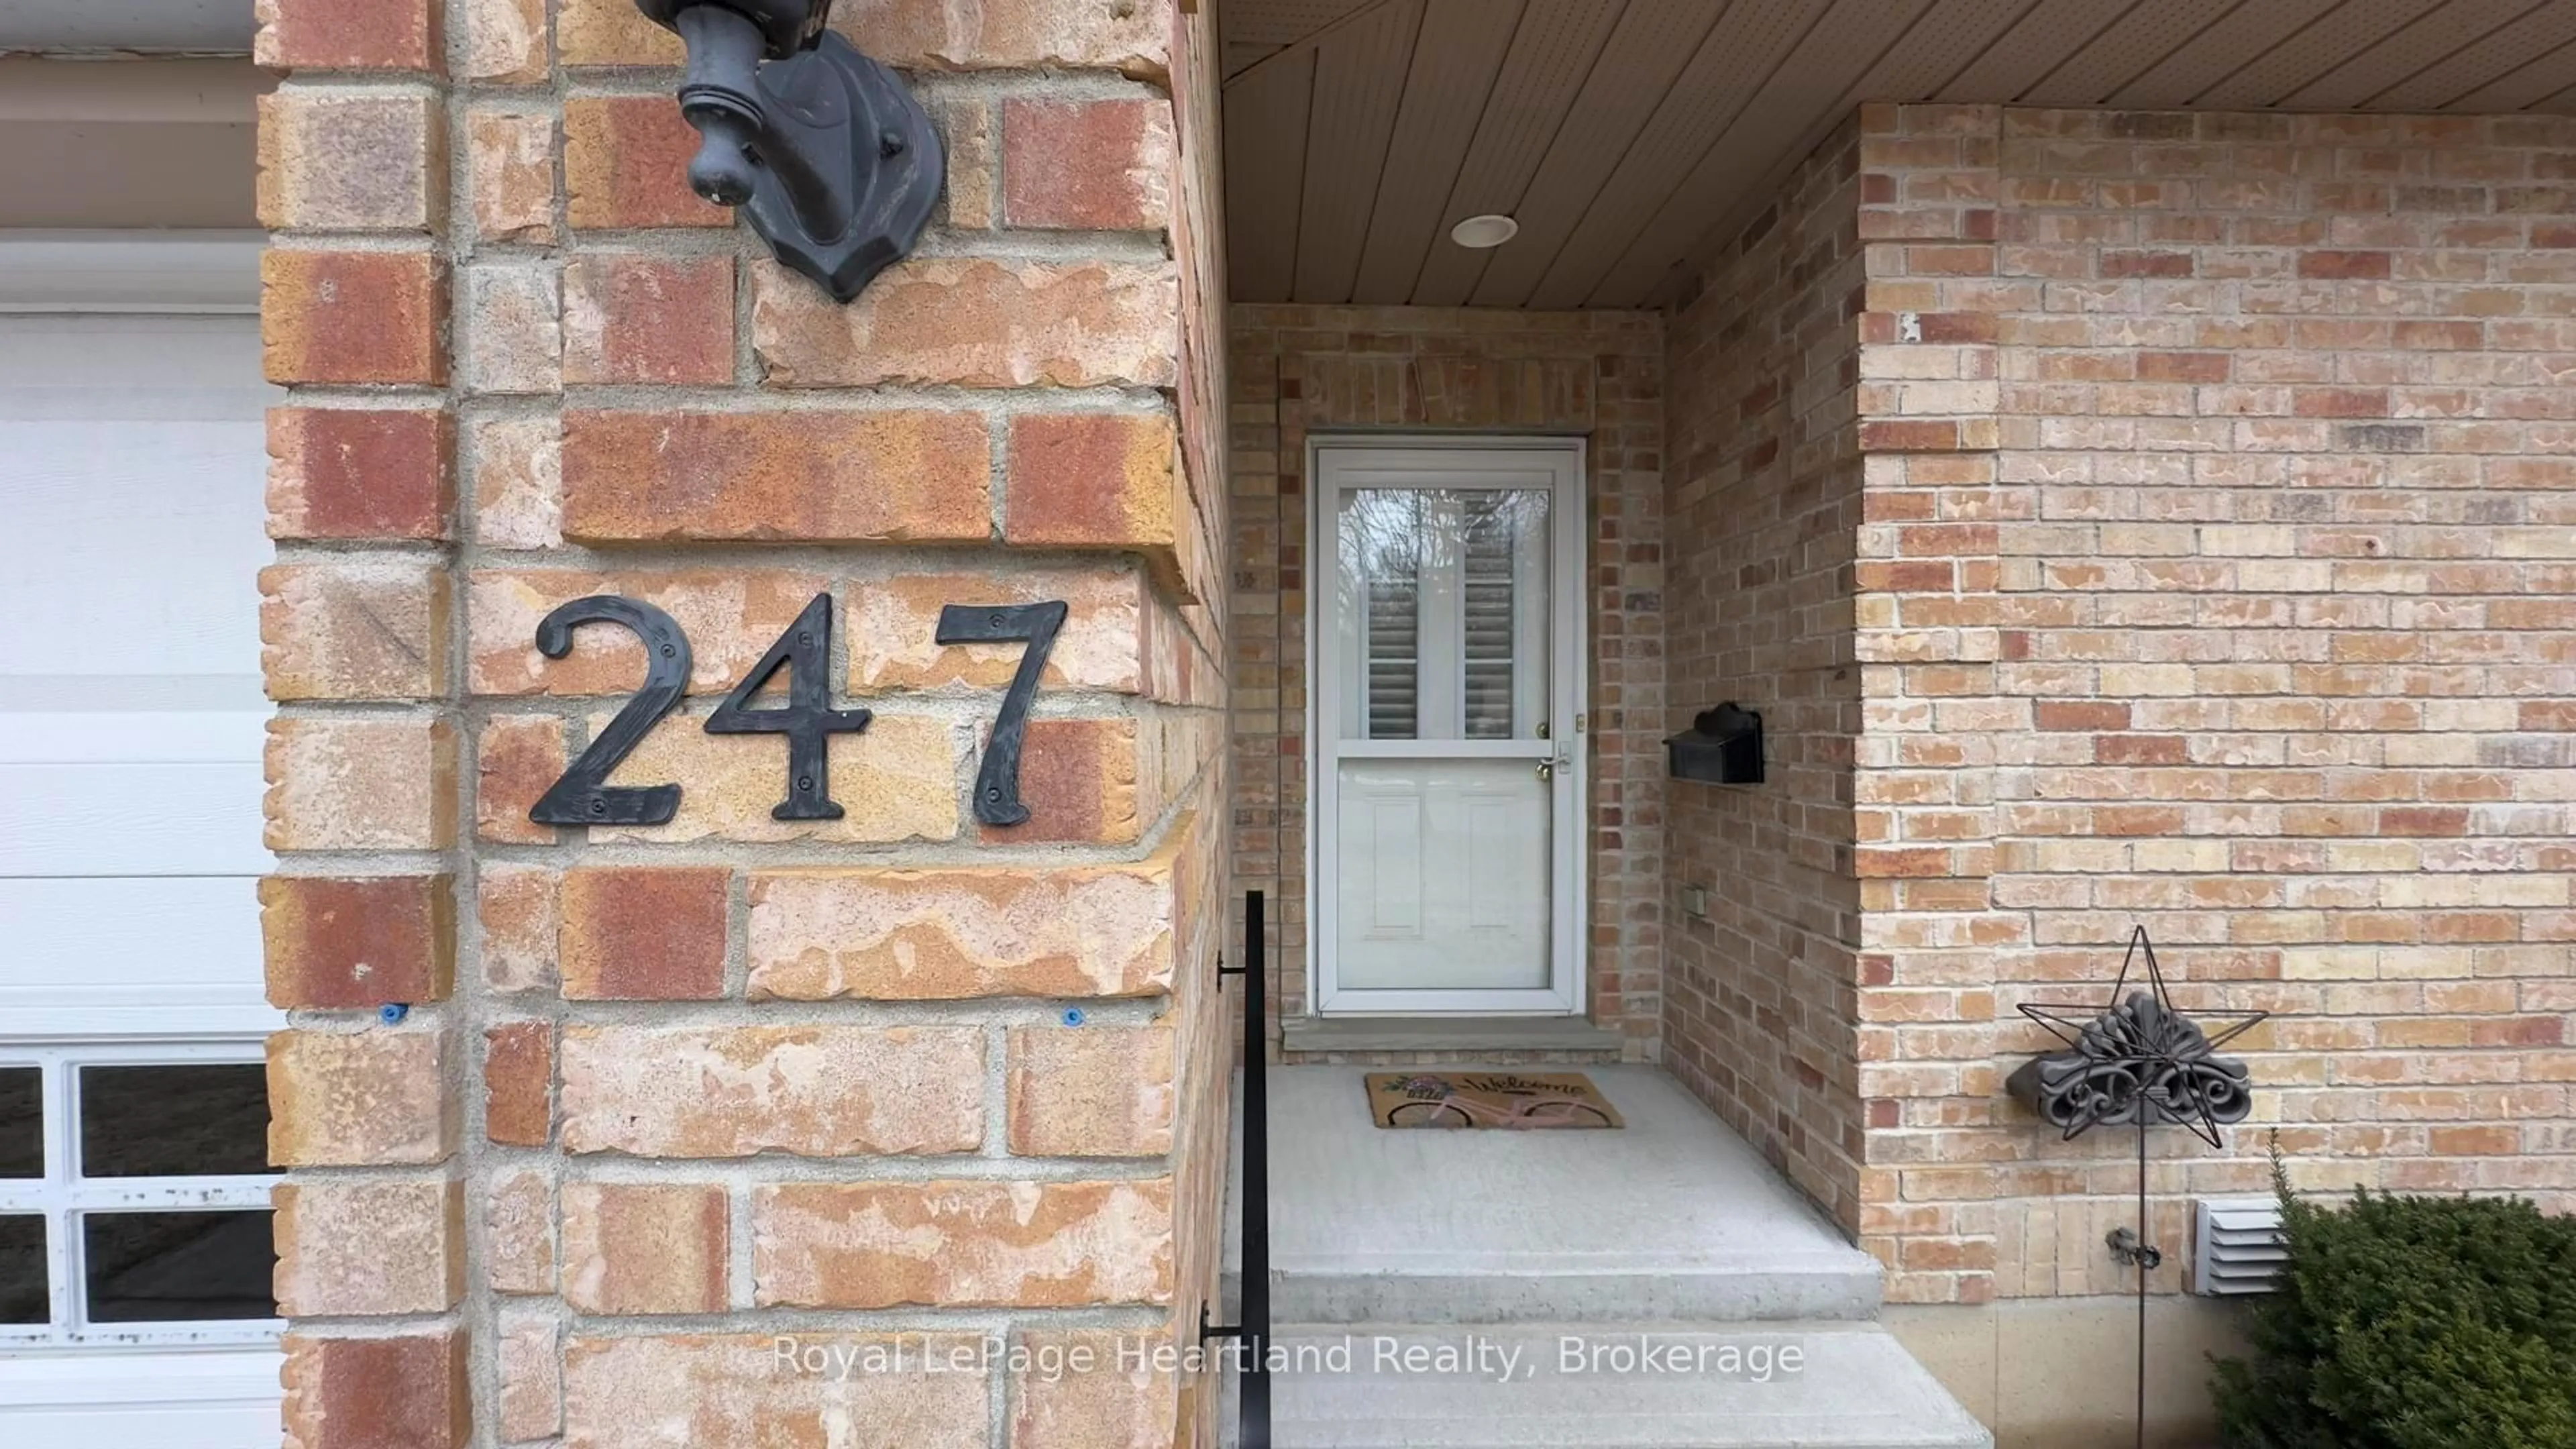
(997, 784)
(808, 719)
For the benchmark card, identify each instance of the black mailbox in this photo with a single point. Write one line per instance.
(1722, 746)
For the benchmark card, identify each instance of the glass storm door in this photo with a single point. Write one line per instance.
(1448, 676)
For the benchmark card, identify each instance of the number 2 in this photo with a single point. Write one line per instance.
(581, 797)
(997, 784)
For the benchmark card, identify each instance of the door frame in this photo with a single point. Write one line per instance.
(1570, 627)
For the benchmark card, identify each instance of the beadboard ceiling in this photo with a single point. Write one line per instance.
(1627, 135)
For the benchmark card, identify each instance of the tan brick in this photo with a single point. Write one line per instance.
(893, 628)
(961, 1244)
(517, 758)
(519, 1083)
(505, 42)
(646, 1248)
(1091, 1091)
(1122, 1400)
(335, 943)
(731, 616)
(360, 473)
(519, 1224)
(626, 163)
(529, 1369)
(513, 328)
(412, 1392)
(349, 35)
(366, 1248)
(518, 481)
(334, 162)
(1080, 779)
(612, 32)
(973, 322)
(939, 35)
(510, 173)
(896, 781)
(643, 933)
(363, 1099)
(517, 907)
(641, 319)
(685, 1392)
(353, 317)
(1093, 480)
(973, 167)
(360, 629)
(825, 477)
(1087, 165)
(815, 1091)
(1061, 931)
(361, 784)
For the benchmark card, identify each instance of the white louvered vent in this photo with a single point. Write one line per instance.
(2236, 1245)
(1395, 647)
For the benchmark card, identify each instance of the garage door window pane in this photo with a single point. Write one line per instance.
(178, 1267)
(22, 1122)
(200, 1120)
(22, 1270)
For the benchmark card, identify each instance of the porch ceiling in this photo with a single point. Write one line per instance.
(1627, 136)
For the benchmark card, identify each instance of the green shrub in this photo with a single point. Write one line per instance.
(2411, 1323)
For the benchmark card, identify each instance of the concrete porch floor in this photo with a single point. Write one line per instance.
(1672, 1217)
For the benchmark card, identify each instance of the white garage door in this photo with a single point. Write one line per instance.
(134, 1252)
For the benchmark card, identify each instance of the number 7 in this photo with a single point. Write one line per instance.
(997, 784)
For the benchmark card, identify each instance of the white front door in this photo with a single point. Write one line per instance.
(1448, 677)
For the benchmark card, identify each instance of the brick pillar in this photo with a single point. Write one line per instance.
(665, 1093)
(1936, 731)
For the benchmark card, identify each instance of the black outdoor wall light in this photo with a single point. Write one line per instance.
(829, 153)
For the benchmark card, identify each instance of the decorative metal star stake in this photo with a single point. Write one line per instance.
(2137, 1060)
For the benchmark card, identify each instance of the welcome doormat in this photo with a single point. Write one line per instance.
(1516, 1100)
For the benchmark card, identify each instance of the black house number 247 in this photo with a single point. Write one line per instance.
(583, 796)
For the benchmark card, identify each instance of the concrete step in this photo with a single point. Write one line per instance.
(1672, 1218)
(1790, 1385)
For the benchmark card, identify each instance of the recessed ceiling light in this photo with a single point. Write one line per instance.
(1489, 230)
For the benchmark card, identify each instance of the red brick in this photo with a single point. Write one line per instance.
(2145, 264)
(2080, 714)
(648, 320)
(377, 1393)
(830, 477)
(1133, 37)
(1087, 165)
(517, 758)
(2344, 266)
(2423, 821)
(646, 1248)
(350, 35)
(626, 163)
(1097, 480)
(354, 629)
(644, 934)
(1079, 780)
(2201, 367)
(519, 1083)
(352, 944)
(2342, 402)
(353, 317)
(339, 473)
(974, 322)
(1091, 1091)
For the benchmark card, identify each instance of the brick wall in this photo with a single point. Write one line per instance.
(1763, 514)
(2219, 575)
(664, 1091)
(1302, 371)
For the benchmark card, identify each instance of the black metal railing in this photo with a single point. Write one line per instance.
(1251, 1328)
